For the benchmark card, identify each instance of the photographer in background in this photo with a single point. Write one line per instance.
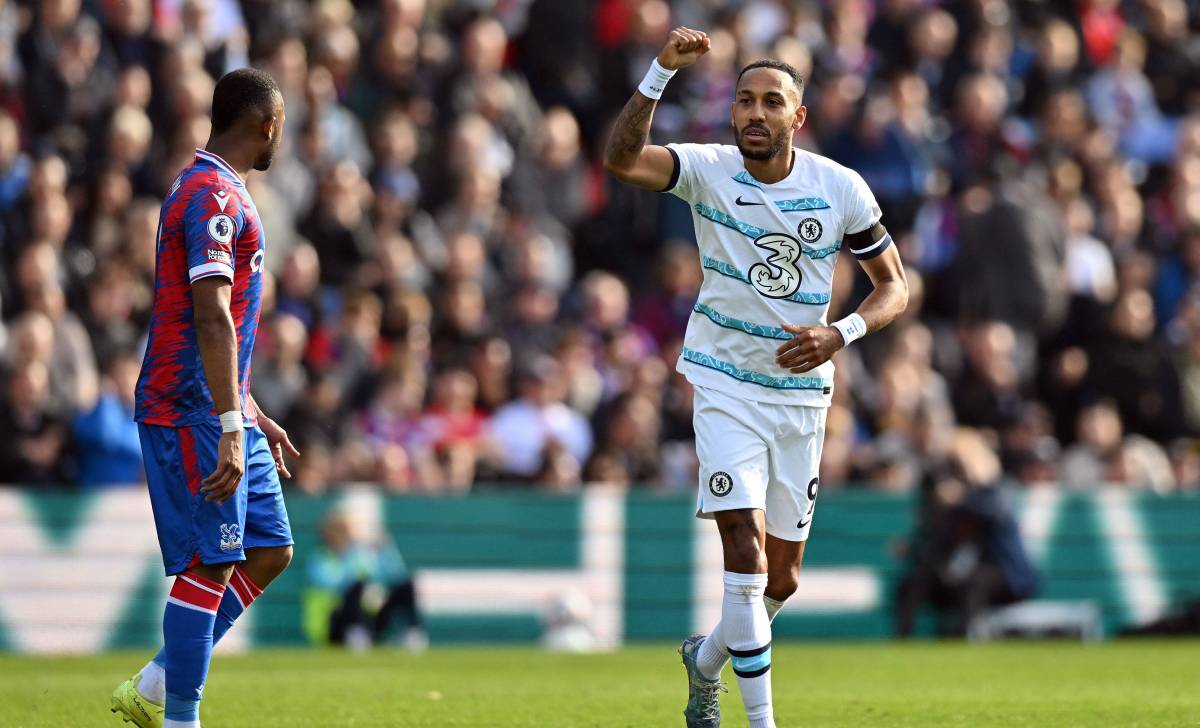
(967, 554)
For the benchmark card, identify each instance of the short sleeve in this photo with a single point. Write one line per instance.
(862, 211)
(212, 223)
(690, 163)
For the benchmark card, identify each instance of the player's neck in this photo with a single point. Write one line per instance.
(234, 154)
(770, 171)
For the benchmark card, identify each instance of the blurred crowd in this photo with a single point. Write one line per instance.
(457, 293)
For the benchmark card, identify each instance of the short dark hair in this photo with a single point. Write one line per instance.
(777, 66)
(240, 91)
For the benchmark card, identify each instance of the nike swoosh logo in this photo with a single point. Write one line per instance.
(740, 203)
(802, 524)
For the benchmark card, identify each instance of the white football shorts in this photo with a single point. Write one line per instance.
(759, 455)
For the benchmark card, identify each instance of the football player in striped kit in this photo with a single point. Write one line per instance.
(213, 459)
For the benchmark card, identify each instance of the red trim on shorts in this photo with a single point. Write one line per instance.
(191, 465)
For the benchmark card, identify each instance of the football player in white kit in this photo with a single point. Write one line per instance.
(770, 221)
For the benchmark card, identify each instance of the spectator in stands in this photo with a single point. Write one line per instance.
(396, 433)
(1055, 68)
(15, 170)
(106, 438)
(72, 365)
(988, 393)
(438, 208)
(279, 362)
(456, 428)
(1122, 100)
(630, 432)
(113, 297)
(664, 311)
(1011, 239)
(524, 430)
(1136, 370)
(70, 79)
(339, 226)
(1105, 454)
(33, 437)
(320, 424)
(552, 182)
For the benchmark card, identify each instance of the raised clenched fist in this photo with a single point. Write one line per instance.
(683, 48)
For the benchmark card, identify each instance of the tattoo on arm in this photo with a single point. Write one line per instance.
(630, 130)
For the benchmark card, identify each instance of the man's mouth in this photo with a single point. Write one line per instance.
(755, 132)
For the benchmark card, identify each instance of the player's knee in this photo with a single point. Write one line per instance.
(219, 573)
(781, 585)
(281, 559)
(744, 557)
(263, 565)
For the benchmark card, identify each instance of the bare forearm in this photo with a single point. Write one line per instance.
(884, 304)
(629, 133)
(218, 353)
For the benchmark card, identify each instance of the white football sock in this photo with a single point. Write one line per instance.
(773, 606)
(712, 655)
(746, 632)
(153, 683)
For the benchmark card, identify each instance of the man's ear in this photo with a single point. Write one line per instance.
(268, 127)
(801, 115)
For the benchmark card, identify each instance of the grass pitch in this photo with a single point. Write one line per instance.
(816, 684)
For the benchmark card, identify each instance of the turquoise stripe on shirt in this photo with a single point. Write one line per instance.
(796, 205)
(801, 204)
(731, 271)
(747, 179)
(729, 221)
(709, 361)
(746, 327)
(753, 231)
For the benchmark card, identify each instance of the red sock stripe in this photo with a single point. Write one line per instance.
(245, 589)
(250, 585)
(197, 591)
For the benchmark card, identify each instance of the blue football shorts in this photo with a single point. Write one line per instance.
(193, 530)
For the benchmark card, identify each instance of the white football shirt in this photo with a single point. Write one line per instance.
(768, 253)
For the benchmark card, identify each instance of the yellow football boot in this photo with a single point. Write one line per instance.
(133, 707)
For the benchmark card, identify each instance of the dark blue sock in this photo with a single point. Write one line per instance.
(239, 595)
(188, 622)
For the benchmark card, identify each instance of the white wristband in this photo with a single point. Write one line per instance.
(655, 81)
(852, 328)
(231, 421)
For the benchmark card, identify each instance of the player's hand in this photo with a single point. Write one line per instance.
(277, 438)
(231, 465)
(810, 347)
(684, 47)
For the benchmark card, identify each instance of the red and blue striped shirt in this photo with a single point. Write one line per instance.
(208, 226)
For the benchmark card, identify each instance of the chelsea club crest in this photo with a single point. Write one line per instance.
(809, 230)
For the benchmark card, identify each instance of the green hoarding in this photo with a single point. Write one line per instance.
(80, 573)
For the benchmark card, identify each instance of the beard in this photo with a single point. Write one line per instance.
(263, 163)
(777, 144)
